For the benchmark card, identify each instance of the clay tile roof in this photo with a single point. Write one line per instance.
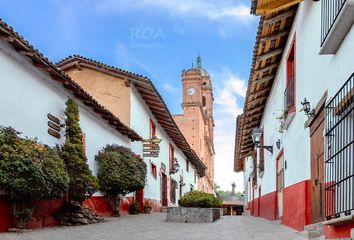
(152, 98)
(238, 160)
(271, 39)
(40, 61)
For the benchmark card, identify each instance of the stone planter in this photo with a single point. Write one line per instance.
(147, 209)
(192, 215)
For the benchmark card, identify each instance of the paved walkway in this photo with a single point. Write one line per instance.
(146, 227)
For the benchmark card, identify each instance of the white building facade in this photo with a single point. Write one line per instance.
(34, 92)
(145, 111)
(304, 58)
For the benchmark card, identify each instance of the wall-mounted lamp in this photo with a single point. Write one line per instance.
(278, 143)
(307, 108)
(175, 167)
(256, 137)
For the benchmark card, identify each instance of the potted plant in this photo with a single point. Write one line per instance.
(147, 207)
(282, 119)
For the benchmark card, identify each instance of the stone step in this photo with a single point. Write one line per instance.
(315, 226)
(313, 235)
(164, 209)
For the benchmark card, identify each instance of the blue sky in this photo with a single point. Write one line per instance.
(156, 38)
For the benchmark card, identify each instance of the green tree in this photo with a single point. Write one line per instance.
(29, 171)
(120, 172)
(81, 179)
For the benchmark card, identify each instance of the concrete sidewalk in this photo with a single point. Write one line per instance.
(154, 227)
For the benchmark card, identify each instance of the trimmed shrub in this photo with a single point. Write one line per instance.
(82, 182)
(134, 208)
(120, 172)
(29, 171)
(200, 200)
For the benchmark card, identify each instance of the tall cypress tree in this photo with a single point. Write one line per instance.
(73, 154)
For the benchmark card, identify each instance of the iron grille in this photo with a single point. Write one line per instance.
(330, 10)
(339, 143)
(289, 94)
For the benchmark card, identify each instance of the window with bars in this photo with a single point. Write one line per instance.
(171, 156)
(289, 93)
(153, 170)
(330, 10)
(339, 153)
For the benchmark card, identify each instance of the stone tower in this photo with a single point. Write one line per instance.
(196, 122)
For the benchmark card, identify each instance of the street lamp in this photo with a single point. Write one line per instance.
(256, 137)
(307, 108)
(175, 167)
(278, 143)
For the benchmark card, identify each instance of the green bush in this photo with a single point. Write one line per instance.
(134, 208)
(29, 171)
(81, 179)
(200, 200)
(120, 172)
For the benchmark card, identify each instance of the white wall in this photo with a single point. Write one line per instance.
(248, 179)
(314, 75)
(28, 95)
(140, 122)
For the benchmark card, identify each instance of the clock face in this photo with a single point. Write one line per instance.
(191, 91)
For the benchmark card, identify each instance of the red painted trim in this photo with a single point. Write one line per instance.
(125, 204)
(259, 201)
(153, 170)
(140, 198)
(262, 149)
(152, 129)
(171, 152)
(291, 57)
(297, 205)
(165, 197)
(6, 218)
(268, 206)
(341, 231)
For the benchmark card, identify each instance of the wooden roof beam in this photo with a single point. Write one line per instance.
(256, 100)
(256, 109)
(274, 36)
(267, 68)
(279, 17)
(269, 54)
(263, 79)
(259, 92)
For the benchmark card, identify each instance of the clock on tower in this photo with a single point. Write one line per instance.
(196, 122)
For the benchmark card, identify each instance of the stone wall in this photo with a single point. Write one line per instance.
(200, 215)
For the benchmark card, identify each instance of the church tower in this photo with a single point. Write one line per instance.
(196, 122)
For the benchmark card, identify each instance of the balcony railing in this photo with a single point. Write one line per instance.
(289, 95)
(339, 152)
(330, 10)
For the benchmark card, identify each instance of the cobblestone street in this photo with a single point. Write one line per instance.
(154, 227)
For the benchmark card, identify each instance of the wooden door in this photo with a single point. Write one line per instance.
(280, 185)
(317, 166)
(164, 190)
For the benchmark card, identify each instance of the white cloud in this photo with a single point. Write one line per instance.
(168, 87)
(212, 10)
(226, 94)
(229, 93)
